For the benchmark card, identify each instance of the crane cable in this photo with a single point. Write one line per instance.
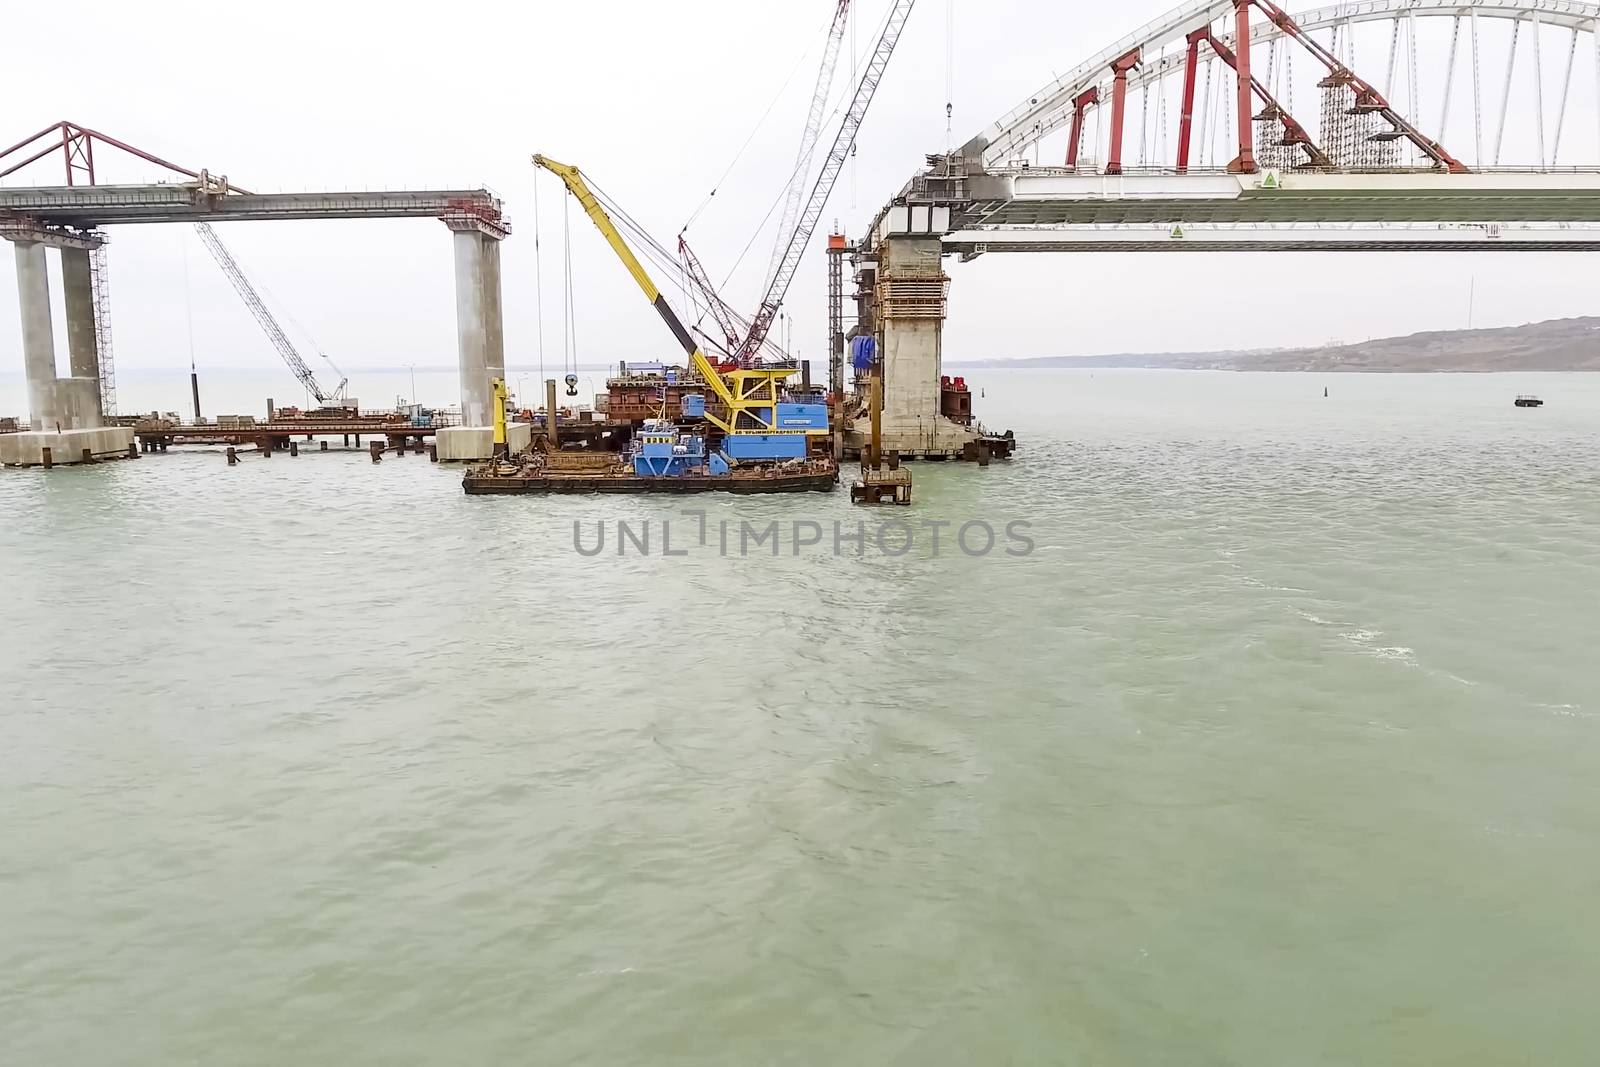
(569, 338)
(538, 273)
(838, 107)
(950, 75)
(737, 156)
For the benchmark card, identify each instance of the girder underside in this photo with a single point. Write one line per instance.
(1464, 237)
(1288, 208)
(971, 250)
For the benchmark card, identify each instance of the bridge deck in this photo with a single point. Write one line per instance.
(86, 207)
(1062, 210)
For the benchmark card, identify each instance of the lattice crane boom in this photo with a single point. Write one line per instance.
(789, 262)
(812, 132)
(727, 320)
(263, 315)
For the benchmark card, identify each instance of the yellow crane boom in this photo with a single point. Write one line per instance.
(579, 188)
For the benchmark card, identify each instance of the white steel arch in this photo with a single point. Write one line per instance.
(1052, 108)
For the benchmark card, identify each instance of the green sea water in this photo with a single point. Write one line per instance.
(1281, 746)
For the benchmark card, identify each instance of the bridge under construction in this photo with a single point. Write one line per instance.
(71, 218)
(1185, 137)
(1221, 126)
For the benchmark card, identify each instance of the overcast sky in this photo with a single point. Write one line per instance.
(653, 100)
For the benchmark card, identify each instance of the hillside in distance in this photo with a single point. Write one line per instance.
(1557, 345)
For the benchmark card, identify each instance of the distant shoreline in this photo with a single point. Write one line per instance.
(1559, 346)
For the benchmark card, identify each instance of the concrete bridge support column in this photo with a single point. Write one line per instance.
(912, 283)
(64, 413)
(83, 351)
(480, 338)
(480, 334)
(38, 334)
(910, 299)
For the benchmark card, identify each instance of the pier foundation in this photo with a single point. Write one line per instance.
(469, 444)
(29, 448)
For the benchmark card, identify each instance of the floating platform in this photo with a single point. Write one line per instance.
(882, 486)
(531, 476)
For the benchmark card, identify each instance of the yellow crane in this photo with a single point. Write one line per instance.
(750, 396)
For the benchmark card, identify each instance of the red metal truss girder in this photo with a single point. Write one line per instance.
(1366, 94)
(82, 138)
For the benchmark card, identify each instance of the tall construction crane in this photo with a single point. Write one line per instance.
(274, 332)
(751, 397)
(813, 130)
(789, 262)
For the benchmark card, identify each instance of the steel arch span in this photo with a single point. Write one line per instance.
(1240, 126)
(1215, 82)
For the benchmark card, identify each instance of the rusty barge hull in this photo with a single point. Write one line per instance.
(477, 484)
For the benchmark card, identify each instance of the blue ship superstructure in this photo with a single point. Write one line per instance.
(661, 450)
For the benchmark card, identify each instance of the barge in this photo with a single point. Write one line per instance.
(517, 478)
(664, 458)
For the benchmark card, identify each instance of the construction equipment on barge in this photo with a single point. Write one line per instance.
(662, 459)
(770, 440)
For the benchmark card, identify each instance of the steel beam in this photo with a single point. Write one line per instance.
(1119, 106)
(1246, 161)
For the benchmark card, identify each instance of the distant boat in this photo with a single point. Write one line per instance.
(1526, 401)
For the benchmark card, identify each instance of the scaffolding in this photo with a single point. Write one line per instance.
(920, 297)
(102, 329)
(1355, 137)
(1272, 153)
(836, 254)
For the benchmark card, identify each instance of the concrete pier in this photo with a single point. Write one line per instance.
(480, 335)
(38, 333)
(912, 328)
(65, 417)
(905, 308)
(82, 350)
(479, 331)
